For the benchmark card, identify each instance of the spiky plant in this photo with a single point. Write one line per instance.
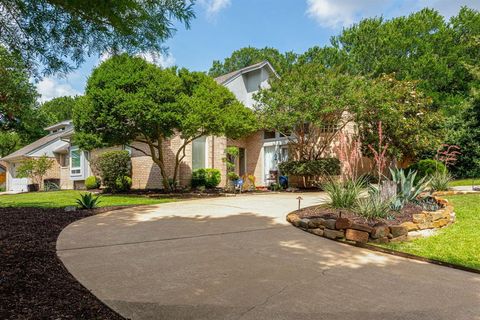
(407, 189)
(88, 201)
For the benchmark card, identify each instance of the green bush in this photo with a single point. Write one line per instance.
(325, 166)
(199, 178)
(92, 182)
(343, 194)
(113, 166)
(123, 184)
(427, 167)
(213, 177)
(232, 176)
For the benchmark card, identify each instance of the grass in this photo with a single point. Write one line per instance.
(459, 243)
(464, 182)
(65, 198)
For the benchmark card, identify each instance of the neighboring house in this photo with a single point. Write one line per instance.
(259, 153)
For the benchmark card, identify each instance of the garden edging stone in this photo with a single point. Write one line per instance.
(344, 228)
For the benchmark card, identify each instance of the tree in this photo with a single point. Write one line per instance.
(467, 135)
(9, 142)
(35, 168)
(59, 33)
(309, 105)
(247, 56)
(130, 100)
(410, 124)
(58, 109)
(17, 94)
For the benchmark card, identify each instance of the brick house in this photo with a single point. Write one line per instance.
(259, 153)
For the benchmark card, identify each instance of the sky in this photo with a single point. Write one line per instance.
(223, 26)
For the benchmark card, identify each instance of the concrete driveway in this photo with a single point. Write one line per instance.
(237, 258)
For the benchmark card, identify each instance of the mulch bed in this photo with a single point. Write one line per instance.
(34, 284)
(325, 212)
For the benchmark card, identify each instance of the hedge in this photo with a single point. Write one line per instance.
(304, 168)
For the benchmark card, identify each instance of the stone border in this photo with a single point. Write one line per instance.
(346, 229)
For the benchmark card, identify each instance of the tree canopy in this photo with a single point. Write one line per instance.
(130, 100)
(247, 56)
(58, 109)
(59, 34)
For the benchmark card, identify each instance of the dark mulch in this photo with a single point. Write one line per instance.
(34, 284)
(325, 212)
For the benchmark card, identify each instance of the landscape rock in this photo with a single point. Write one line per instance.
(318, 222)
(304, 223)
(380, 230)
(361, 227)
(70, 208)
(333, 234)
(410, 226)
(342, 223)
(317, 231)
(440, 223)
(356, 235)
(398, 231)
(419, 218)
(399, 239)
(329, 223)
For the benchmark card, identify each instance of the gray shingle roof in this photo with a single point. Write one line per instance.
(37, 144)
(226, 77)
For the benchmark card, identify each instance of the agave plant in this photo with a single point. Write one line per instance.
(88, 201)
(407, 189)
(440, 180)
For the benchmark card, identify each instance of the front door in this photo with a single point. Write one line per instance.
(273, 156)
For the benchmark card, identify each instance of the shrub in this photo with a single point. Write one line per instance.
(232, 176)
(92, 182)
(343, 195)
(408, 189)
(123, 184)
(199, 178)
(304, 168)
(213, 177)
(373, 206)
(439, 181)
(427, 167)
(112, 166)
(88, 201)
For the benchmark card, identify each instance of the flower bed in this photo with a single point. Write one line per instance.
(346, 226)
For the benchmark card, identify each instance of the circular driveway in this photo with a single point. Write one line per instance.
(237, 258)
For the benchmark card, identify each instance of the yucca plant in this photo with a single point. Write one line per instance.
(439, 181)
(343, 194)
(407, 189)
(88, 201)
(373, 206)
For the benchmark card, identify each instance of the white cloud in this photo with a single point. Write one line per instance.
(448, 8)
(162, 60)
(214, 6)
(342, 13)
(50, 88)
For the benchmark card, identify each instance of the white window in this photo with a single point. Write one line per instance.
(199, 153)
(76, 158)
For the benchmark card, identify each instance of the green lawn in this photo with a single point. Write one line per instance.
(65, 198)
(464, 182)
(458, 243)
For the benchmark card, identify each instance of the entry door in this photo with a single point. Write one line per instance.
(273, 156)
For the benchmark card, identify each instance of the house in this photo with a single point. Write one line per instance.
(259, 153)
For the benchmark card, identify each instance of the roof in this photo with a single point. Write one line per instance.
(224, 79)
(23, 152)
(62, 124)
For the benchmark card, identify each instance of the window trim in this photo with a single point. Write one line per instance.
(80, 168)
